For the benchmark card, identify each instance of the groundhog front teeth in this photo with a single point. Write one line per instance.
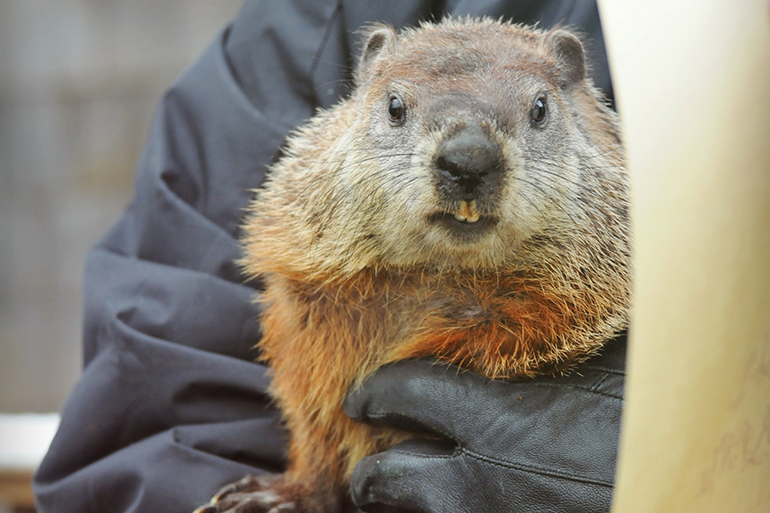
(468, 212)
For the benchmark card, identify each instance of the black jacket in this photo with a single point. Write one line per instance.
(170, 405)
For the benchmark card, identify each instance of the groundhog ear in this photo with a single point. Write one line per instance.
(380, 40)
(570, 57)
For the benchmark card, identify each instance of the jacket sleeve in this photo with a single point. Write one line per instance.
(171, 404)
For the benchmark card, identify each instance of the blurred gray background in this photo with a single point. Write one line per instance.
(79, 81)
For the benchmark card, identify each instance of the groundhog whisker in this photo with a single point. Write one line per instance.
(322, 85)
(532, 203)
(537, 183)
(348, 163)
(335, 197)
(555, 174)
(586, 158)
(581, 201)
(381, 176)
(346, 67)
(392, 182)
(412, 196)
(550, 183)
(361, 160)
(339, 195)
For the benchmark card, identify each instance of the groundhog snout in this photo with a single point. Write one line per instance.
(469, 165)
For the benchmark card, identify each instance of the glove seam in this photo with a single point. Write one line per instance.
(533, 469)
(605, 369)
(580, 387)
(383, 415)
(600, 382)
(428, 456)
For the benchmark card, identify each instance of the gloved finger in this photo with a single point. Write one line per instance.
(421, 476)
(426, 395)
(405, 478)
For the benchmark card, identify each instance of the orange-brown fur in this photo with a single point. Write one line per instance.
(356, 277)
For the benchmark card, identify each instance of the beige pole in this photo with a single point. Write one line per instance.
(692, 80)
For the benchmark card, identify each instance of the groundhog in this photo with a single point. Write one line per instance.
(467, 201)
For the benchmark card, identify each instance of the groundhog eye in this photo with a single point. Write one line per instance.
(396, 111)
(539, 110)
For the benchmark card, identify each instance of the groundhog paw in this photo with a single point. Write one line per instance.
(261, 494)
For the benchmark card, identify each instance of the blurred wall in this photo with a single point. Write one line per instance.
(79, 81)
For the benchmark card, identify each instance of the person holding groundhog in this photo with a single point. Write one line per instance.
(171, 406)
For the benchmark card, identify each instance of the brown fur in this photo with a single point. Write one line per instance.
(358, 275)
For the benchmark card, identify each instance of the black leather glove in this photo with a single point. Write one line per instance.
(531, 446)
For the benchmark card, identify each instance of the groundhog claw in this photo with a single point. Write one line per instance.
(249, 495)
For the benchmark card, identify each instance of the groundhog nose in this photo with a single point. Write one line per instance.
(468, 162)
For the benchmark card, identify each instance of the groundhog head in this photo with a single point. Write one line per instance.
(465, 145)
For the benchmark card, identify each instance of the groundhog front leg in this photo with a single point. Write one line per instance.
(314, 482)
(272, 494)
(321, 457)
